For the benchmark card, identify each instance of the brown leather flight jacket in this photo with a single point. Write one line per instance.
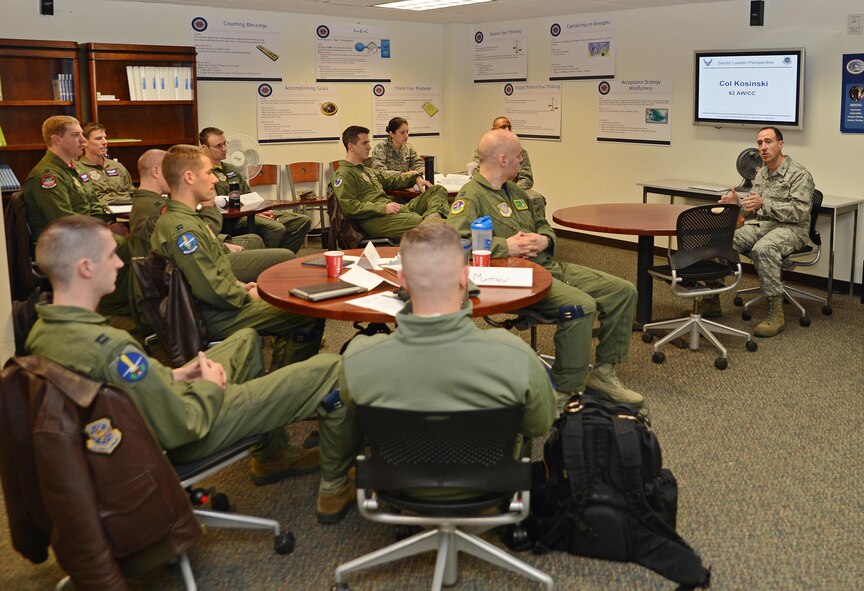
(81, 471)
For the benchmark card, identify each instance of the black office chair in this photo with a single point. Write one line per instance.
(466, 450)
(807, 256)
(345, 233)
(705, 254)
(525, 319)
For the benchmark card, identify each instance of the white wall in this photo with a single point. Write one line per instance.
(654, 43)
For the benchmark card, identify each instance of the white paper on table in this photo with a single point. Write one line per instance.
(371, 254)
(359, 276)
(452, 181)
(117, 209)
(501, 276)
(250, 198)
(386, 303)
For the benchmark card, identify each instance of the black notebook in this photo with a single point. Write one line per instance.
(327, 291)
(322, 262)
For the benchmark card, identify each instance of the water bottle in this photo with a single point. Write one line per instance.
(234, 194)
(481, 233)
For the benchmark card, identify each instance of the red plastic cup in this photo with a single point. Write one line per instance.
(482, 258)
(334, 262)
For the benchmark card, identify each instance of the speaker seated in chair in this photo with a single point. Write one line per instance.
(705, 255)
(807, 256)
(466, 456)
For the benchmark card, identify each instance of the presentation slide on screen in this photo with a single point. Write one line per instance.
(759, 87)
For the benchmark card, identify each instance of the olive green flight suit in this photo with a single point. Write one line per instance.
(197, 418)
(110, 180)
(360, 191)
(183, 237)
(287, 230)
(575, 289)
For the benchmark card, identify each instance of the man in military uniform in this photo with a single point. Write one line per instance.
(56, 188)
(227, 305)
(360, 191)
(206, 405)
(578, 293)
(484, 368)
(110, 179)
(525, 177)
(777, 214)
(281, 229)
(148, 200)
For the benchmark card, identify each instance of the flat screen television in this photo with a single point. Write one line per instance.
(749, 88)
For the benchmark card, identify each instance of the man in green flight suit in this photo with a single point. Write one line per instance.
(227, 305)
(206, 405)
(445, 362)
(56, 188)
(578, 293)
(360, 192)
(110, 179)
(281, 229)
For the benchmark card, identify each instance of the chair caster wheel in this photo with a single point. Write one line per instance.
(805, 321)
(721, 363)
(284, 543)
(738, 301)
(751, 346)
(339, 587)
(220, 502)
(647, 337)
(745, 315)
(658, 357)
(826, 310)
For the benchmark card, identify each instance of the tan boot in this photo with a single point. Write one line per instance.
(291, 461)
(604, 381)
(776, 322)
(332, 507)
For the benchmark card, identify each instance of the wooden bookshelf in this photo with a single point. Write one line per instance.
(158, 124)
(27, 70)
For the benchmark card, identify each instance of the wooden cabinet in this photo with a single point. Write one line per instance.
(27, 71)
(151, 124)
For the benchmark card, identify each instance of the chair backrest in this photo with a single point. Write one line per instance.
(170, 308)
(344, 233)
(309, 173)
(19, 248)
(705, 232)
(334, 166)
(816, 204)
(471, 449)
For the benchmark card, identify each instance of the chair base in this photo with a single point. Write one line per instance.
(695, 326)
(448, 541)
(789, 294)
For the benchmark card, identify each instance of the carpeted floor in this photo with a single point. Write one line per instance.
(767, 454)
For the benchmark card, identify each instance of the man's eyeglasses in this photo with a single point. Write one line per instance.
(218, 146)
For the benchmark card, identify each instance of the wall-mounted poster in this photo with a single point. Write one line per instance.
(582, 49)
(635, 111)
(298, 113)
(420, 104)
(534, 110)
(237, 49)
(501, 55)
(852, 100)
(352, 53)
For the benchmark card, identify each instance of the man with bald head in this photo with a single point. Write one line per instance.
(484, 368)
(578, 294)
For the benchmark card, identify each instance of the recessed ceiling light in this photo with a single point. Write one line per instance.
(428, 4)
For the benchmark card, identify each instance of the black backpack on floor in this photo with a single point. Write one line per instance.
(602, 492)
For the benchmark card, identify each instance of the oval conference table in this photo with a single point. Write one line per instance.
(645, 220)
(275, 283)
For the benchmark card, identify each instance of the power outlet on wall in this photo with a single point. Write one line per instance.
(853, 24)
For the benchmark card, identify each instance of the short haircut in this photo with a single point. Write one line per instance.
(395, 123)
(149, 159)
(64, 241)
(350, 135)
(206, 133)
(91, 127)
(431, 255)
(777, 133)
(178, 159)
(499, 118)
(56, 125)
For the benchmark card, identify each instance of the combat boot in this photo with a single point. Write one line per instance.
(708, 307)
(290, 461)
(331, 507)
(776, 322)
(604, 382)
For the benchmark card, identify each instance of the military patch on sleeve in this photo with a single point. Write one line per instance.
(520, 204)
(49, 181)
(457, 207)
(112, 172)
(187, 243)
(102, 436)
(337, 182)
(505, 210)
(85, 178)
(131, 365)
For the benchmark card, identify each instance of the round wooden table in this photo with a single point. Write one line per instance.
(645, 220)
(275, 283)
